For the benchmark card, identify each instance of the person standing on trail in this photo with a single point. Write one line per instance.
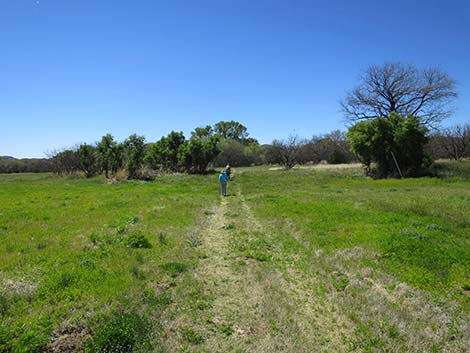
(228, 170)
(223, 179)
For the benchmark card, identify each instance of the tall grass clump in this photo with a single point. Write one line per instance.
(120, 333)
(137, 241)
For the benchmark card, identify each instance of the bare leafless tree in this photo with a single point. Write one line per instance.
(456, 141)
(286, 152)
(404, 89)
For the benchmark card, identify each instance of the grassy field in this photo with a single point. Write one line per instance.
(315, 259)
(73, 254)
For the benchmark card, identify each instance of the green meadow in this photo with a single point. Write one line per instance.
(313, 259)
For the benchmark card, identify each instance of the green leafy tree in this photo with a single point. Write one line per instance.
(201, 132)
(231, 130)
(233, 152)
(239, 154)
(133, 153)
(117, 157)
(65, 162)
(163, 154)
(250, 141)
(106, 154)
(87, 160)
(410, 137)
(394, 143)
(196, 154)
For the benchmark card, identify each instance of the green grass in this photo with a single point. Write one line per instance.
(419, 228)
(452, 169)
(290, 261)
(71, 249)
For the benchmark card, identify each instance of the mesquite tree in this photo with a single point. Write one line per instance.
(402, 89)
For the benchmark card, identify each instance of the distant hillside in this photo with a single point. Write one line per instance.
(7, 157)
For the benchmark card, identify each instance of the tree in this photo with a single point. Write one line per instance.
(286, 152)
(231, 130)
(87, 160)
(107, 154)
(195, 155)
(250, 141)
(117, 158)
(394, 143)
(253, 152)
(133, 153)
(201, 132)
(405, 90)
(163, 154)
(435, 146)
(65, 161)
(455, 140)
(25, 165)
(232, 152)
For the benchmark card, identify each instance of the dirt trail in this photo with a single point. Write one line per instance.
(252, 305)
(261, 288)
(244, 314)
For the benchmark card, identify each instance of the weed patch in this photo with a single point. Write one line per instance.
(119, 333)
(174, 268)
(191, 336)
(194, 240)
(162, 238)
(137, 272)
(137, 241)
(160, 301)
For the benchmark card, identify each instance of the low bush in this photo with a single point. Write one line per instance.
(145, 174)
(137, 241)
(119, 333)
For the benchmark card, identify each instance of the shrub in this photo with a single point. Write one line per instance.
(145, 174)
(390, 142)
(120, 333)
(137, 241)
(65, 279)
(32, 341)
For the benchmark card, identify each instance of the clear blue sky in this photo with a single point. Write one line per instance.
(71, 71)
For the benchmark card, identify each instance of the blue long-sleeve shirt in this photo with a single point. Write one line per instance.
(223, 178)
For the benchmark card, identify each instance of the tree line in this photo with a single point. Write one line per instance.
(26, 165)
(393, 118)
(211, 147)
(224, 142)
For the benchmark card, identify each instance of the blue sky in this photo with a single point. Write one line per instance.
(71, 71)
